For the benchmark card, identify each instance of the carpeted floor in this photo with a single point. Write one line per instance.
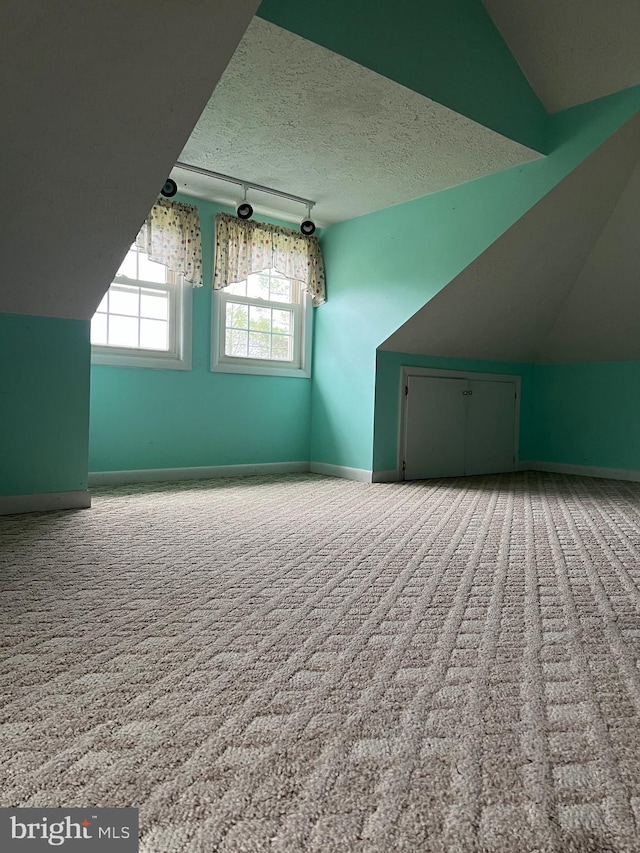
(300, 663)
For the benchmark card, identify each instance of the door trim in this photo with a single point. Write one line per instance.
(406, 372)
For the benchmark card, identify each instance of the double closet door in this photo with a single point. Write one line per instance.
(456, 426)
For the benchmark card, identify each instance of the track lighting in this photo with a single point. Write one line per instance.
(245, 211)
(169, 189)
(307, 226)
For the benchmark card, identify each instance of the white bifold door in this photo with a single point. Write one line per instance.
(456, 427)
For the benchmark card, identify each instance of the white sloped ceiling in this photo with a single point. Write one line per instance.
(600, 318)
(572, 51)
(97, 101)
(540, 291)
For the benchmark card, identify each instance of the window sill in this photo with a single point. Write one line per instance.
(260, 370)
(134, 359)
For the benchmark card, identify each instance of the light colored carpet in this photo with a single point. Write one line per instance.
(300, 663)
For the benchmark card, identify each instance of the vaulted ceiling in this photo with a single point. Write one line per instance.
(295, 116)
(318, 111)
(97, 101)
(425, 96)
(560, 285)
(572, 51)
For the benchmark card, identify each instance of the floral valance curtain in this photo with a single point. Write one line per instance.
(171, 236)
(244, 247)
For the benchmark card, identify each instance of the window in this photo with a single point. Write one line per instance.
(262, 325)
(266, 278)
(144, 318)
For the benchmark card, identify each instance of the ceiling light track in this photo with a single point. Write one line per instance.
(248, 184)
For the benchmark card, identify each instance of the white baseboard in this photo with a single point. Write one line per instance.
(207, 472)
(390, 475)
(582, 470)
(45, 502)
(359, 474)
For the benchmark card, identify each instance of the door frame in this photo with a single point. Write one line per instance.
(406, 372)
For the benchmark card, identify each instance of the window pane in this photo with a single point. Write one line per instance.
(123, 300)
(282, 347)
(128, 265)
(123, 331)
(149, 270)
(237, 315)
(280, 289)
(104, 302)
(154, 305)
(154, 334)
(282, 321)
(259, 318)
(236, 343)
(259, 345)
(258, 285)
(257, 331)
(99, 329)
(237, 289)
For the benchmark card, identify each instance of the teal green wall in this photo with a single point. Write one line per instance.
(44, 404)
(583, 414)
(576, 414)
(384, 267)
(149, 418)
(388, 375)
(448, 50)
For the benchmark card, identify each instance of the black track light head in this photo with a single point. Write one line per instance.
(169, 189)
(245, 211)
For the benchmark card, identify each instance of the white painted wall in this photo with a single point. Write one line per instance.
(550, 266)
(97, 101)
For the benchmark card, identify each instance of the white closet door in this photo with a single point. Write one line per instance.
(435, 427)
(490, 433)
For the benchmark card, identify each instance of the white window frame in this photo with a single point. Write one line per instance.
(178, 356)
(299, 367)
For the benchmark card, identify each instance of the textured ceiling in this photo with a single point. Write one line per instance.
(572, 51)
(297, 117)
(561, 284)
